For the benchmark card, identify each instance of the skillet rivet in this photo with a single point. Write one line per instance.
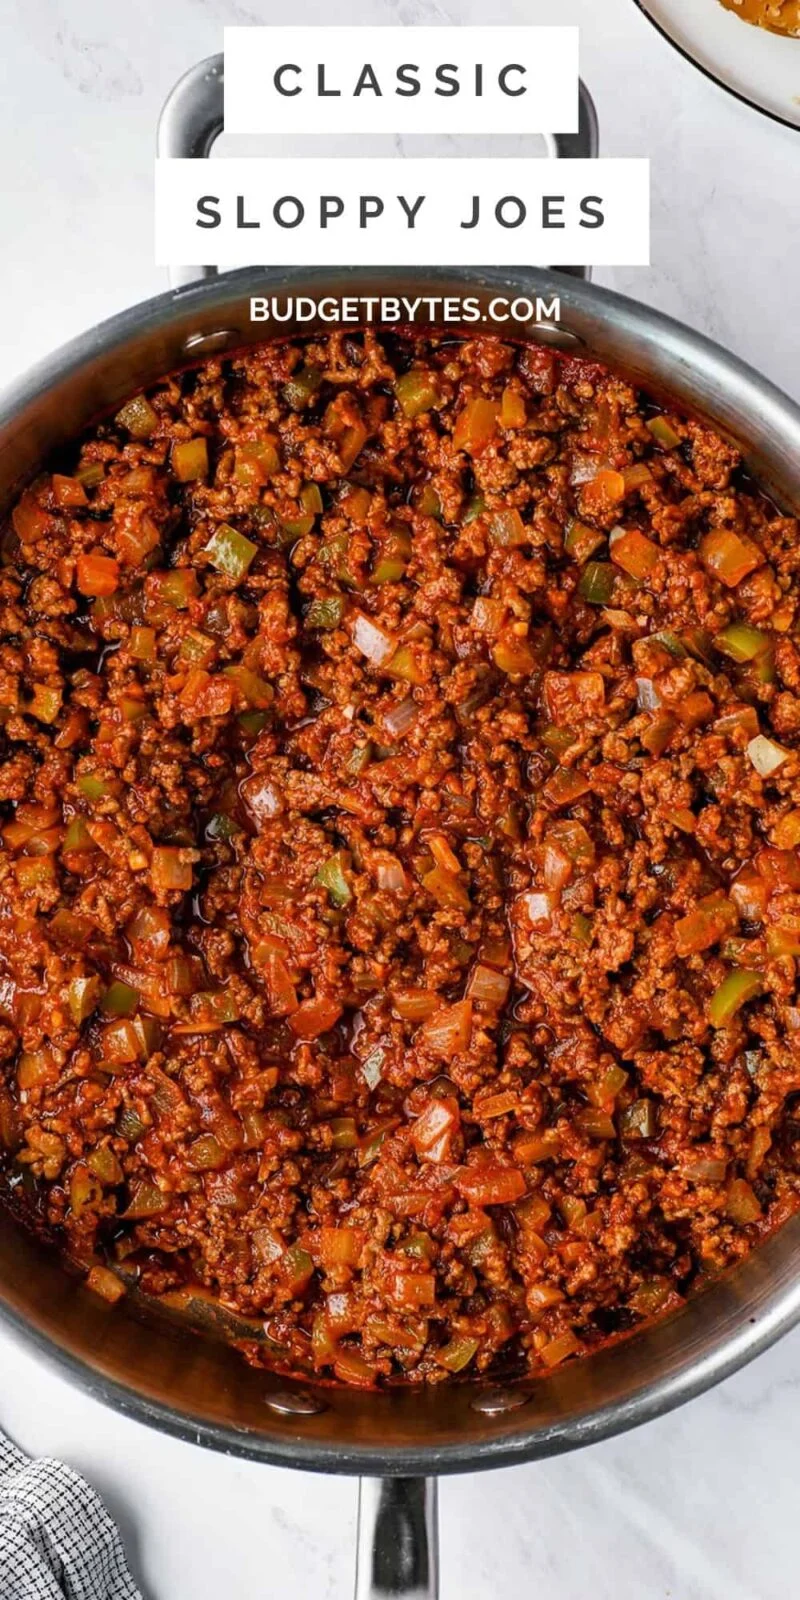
(553, 333)
(203, 344)
(294, 1403)
(494, 1402)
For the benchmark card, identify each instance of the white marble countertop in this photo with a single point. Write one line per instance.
(697, 1506)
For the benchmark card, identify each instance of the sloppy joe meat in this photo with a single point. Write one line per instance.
(399, 884)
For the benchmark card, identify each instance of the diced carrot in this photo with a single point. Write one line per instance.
(29, 520)
(780, 869)
(206, 695)
(97, 574)
(68, 492)
(136, 538)
(496, 1105)
(491, 1184)
(278, 983)
(314, 1017)
(703, 927)
(571, 696)
(119, 1044)
(411, 1291)
(171, 868)
(602, 494)
(634, 553)
(694, 709)
(750, 892)
(730, 557)
(340, 1246)
(513, 412)
(476, 425)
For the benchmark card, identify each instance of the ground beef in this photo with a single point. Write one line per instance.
(399, 884)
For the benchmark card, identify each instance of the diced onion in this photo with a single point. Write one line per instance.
(401, 718)
(663, 432)
(372, 1066)
(446, 888)
(637, 475)
(558, 1350)
(496, 951)
(487, 614)
(647, 695)
(448, 1030)
(390, 874)
(596, 1124)
(413, 1005)
(742, 1204)
(488, 985)
(433, 1131)
(706, 1169)
(372, 641)
(540, 906)
(583, 470)
(558, 868)
(507, 529)
(457, 1354)
(105, 1283)
(267, 1245)
(444, 856)
(261, 797)
(619, 619)
(765, 755)
(541, 1295)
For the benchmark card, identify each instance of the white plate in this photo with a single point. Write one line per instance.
(761, 68)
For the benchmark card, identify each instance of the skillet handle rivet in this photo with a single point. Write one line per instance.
(494, 1402)
(554, 334)
(205, 344)
(294, 1403)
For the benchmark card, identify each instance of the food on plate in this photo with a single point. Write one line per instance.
(779, 16)
(399, 883)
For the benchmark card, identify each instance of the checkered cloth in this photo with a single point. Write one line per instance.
(57, 1541)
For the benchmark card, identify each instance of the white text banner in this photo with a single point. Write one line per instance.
(482, 80)
(244, 211)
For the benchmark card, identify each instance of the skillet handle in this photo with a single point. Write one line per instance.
(192, 118)
(583, 145)
(397, 1539)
